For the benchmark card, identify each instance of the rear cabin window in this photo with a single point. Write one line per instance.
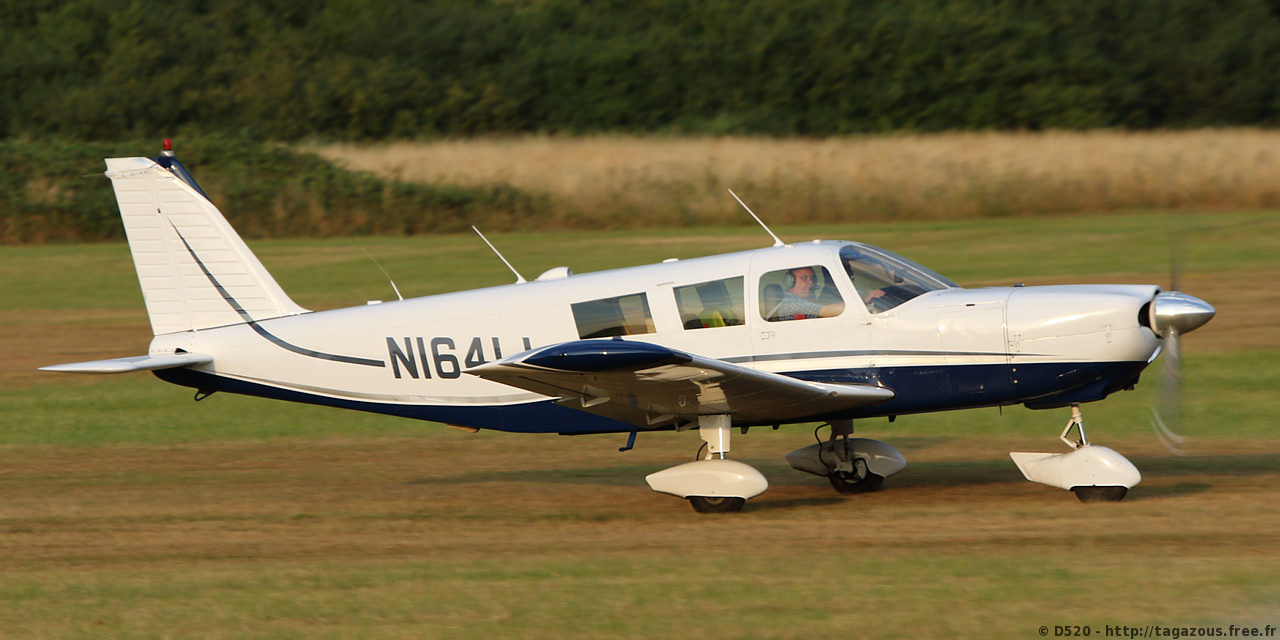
(621, 316)
(799, 293)
(719, 303)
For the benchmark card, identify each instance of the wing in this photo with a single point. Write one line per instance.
(650, 386)
(137, 363)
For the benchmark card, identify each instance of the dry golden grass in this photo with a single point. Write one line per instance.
(630, 181)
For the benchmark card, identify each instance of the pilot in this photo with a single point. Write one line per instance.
(798, 301)
(864, 268)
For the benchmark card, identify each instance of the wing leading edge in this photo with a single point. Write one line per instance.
(651, 386)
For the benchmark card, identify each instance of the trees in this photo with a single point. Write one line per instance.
(388, 69)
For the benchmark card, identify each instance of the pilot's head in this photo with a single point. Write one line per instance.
(803, 285)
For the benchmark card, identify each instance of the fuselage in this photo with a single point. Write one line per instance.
(937, 346)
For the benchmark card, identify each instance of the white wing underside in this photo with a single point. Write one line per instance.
(670, 387)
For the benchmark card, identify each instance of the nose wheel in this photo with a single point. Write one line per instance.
(1100, 494)
(1093, 473)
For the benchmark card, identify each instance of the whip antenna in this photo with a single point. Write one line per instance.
(519, 278)
(777, 242)
(384, 272)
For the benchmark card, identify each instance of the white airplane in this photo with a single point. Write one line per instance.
(821, 331)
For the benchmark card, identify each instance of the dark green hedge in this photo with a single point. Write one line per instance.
(373, 69)
(54, 192)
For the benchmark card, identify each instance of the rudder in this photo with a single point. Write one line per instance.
(195, 271)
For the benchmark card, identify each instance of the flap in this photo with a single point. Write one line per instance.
(650, 386)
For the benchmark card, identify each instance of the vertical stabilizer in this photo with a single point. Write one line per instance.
(195, 271)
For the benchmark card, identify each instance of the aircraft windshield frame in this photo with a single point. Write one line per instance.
(884, 279)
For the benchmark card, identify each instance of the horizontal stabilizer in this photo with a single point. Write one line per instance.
(136, 363)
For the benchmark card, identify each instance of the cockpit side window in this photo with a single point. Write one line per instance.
(884, 280)
(719, 303)
(620, 316)
(799, 293)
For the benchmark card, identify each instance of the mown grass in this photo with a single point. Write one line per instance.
(971, 252)
(901, 594)
(392, 539)
(127, 510)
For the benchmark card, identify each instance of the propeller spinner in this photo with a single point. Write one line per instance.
(1174, 312)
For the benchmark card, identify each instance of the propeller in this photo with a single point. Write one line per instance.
(1174, 313)
(1166, 416)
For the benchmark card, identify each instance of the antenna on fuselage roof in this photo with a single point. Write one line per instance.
(384, 272)
(519, 278)
(777, 242)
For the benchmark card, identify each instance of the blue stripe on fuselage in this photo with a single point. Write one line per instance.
(920, 389)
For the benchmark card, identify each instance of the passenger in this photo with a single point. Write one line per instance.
(798, 302)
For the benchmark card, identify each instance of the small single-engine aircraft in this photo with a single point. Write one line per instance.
(828, 331)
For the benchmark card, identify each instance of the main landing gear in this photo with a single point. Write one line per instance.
(852, 465)
(714, 484)
(718, 485)
(1093, 473)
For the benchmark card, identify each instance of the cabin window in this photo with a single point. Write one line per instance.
(620, 316)
(799, 293)
(719, 303)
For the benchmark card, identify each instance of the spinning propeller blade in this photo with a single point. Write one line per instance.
(1166, 416)
(1174, 313)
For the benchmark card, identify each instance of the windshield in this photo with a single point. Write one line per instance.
(885, 280)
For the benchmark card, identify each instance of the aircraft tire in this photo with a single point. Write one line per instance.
(706, 504)
(845, 483)
(1100, 494)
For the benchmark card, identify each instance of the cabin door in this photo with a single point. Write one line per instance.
(804, 315)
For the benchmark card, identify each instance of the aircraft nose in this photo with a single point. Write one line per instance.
(1179, 311)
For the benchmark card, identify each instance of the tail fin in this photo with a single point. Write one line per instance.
(195, 271)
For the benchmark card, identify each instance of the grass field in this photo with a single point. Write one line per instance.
(129, 511)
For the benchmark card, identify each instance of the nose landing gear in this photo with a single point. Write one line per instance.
(1094, 473)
